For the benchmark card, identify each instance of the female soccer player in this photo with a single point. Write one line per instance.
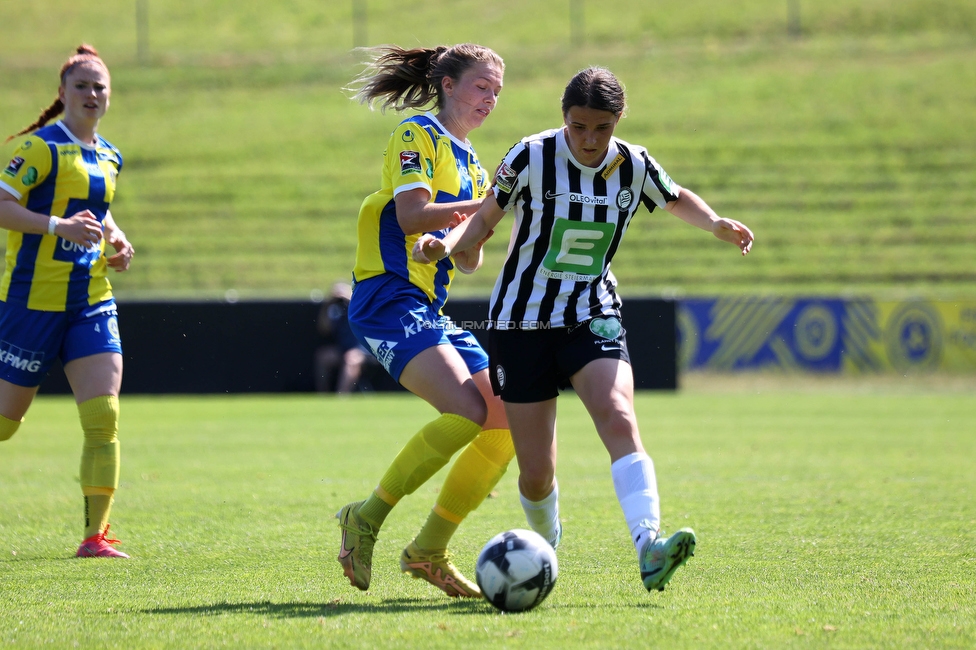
(55, 298)
(555, 314)
(430, 172)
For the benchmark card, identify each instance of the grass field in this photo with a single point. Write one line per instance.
(828, 516)
(850, 150)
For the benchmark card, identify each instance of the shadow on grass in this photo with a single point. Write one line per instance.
(333, 608)
(339, 608)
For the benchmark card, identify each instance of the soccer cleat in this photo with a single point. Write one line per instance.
(356, 548)
(661, 557)
(99, 545)
(436, 568)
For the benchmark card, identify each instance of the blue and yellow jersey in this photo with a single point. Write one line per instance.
(421, 154)
(54, 173)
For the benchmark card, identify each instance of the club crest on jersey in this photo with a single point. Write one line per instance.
(409, 162)
(14, 166)
(505, 177)
(625, 198)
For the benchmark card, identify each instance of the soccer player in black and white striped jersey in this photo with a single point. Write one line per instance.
(555, 315)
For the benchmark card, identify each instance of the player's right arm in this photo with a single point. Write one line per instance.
(472, 231)
(81, 228)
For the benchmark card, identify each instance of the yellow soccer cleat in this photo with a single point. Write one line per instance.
(356, 548)
(436, 568)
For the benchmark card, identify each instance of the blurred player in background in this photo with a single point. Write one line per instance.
(430, 173)
(339, 358)
(55, 298)
(555, 316)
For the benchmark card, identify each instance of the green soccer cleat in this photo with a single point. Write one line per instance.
(436, 568)
(661, 557)
(356, 549)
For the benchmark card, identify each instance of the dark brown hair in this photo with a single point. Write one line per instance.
(84, 53)
(595, 88)
(402, 79)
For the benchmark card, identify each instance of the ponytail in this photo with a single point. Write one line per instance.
(402, 79)
(84, 53)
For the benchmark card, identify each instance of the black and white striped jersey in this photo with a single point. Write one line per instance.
(569, 220)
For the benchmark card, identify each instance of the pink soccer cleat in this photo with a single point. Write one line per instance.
(99, 545)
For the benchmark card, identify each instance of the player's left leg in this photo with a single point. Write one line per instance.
(95, 381)
(606, 387)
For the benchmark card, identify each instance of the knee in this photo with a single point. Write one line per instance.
(471, 405)
(100, 420)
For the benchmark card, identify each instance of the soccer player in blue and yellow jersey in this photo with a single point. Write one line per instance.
(431, 178)
(55, 298)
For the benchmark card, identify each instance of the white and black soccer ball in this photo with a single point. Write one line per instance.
(516, 570)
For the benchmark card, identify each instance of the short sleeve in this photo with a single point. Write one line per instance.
(659, 189)
(30, 165)
(511, 176)
(410, 158)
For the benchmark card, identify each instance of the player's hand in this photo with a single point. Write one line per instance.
(429, 249)
(124, 251)
(734, 232)
(82, 228)
(458, 219)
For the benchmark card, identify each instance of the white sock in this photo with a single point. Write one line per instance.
(543, 516)
(636, 486)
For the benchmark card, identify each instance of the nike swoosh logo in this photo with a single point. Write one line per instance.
(612, 347)
(343, 551)
(550, 196)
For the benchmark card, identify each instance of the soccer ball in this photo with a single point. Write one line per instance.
(516, 570)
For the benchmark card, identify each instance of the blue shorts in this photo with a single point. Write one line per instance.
(395, 321)
(30, 340)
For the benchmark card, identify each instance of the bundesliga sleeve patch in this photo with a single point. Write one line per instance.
(14, 166)
(409, 162)
(505, 177)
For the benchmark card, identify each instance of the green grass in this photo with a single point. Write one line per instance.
(827, 515)
(849, 151)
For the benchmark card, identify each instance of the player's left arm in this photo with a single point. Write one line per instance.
(692, 209)
(123, 249)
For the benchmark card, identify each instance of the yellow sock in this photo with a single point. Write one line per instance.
(8, 427)
(477, 470)
(100, 459)
(98, 505)
(429, 450)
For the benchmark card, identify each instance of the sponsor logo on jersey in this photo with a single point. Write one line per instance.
(587, 199)
(625, 198)
(505, 177)
(19, 358)
(14, 166)
(665, 180)
(414, 321)
(382, 350)
(409, 162)
(552, 196)
(430, 167)
(69, 152)
(612, 167)
(608, 328)
(30, 176)
(407, 136)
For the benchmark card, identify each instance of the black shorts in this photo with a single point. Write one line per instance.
(533, 365)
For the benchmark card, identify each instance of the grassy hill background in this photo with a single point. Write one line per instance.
(849, 147)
